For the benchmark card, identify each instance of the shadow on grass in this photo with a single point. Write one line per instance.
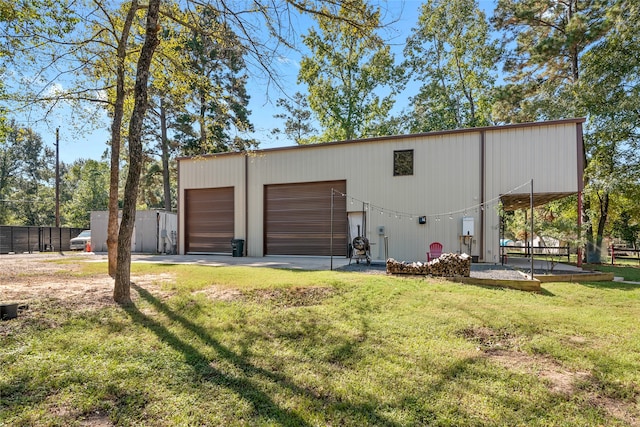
(546, 292)
(512, 406)
(262, 403)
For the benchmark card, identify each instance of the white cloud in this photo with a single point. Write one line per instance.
(288, 61)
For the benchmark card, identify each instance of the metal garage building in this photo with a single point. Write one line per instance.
(410, 189)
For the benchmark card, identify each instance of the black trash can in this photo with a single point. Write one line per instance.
(237, 247)
(8, 311)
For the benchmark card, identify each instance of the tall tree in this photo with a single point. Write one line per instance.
(452, 53)
(24, 25)
(169, 94)
(551, 39)
(297, 118)
(627, 229)
(610, 90)
(348, 71)
(121, 291)
(25, 178)
(121, 45)
(114, 72)
(86, 188)
(216, 71)
(10, 163)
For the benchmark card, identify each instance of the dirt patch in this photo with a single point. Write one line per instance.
(92, 419)
(502, 348)
(291, 297)
(86, 292)
(222, 294)
(97, 419)
(559, 379)
(285, 297)
(616, 409)
(564, 381)
(577, 341)
(488, 339)
(40, 286)
(34, 280)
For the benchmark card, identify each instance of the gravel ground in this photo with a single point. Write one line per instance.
(483, 271)
(495, 271)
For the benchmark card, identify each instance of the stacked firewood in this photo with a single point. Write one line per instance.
(397, 267)
(447, 265)
(451, 265)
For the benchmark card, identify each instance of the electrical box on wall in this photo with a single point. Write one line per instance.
(381, 229)
(467, 226)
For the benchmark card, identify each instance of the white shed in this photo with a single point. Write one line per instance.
(410, 189)
(153, 232)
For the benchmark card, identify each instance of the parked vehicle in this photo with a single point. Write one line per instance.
(79, 242)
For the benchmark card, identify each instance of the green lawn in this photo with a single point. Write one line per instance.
(629, 272)
(263, 347)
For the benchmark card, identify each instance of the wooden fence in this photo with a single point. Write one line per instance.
(623, 253)
(16, 239)
(544, 251)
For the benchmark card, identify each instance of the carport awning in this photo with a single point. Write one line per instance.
(512, 202)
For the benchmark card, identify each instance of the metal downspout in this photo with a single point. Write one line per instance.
(246, 203)
(483, 153)
(581, 165)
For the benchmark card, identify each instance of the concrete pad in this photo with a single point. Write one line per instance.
(541, 264)
(289, 262)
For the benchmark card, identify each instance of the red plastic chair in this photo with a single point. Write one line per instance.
(435, 250)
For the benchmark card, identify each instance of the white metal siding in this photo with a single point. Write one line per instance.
(542, 153)
(145, 238)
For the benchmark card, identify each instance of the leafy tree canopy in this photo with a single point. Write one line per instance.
(350, 74)
(298, 118)
(452, 53)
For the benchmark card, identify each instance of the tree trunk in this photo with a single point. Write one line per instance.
(165, 156)
(116, 140)
(112, 225)
(121, 292)
(203, 126)
(602, 221)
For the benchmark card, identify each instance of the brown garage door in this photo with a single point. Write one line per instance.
(298, 219)
(209, 220)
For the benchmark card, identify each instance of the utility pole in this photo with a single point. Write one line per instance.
(58, 190)
(58, 177)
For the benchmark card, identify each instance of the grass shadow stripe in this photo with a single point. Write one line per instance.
(243, 387)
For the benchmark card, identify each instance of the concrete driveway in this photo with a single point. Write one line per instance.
(291, 262)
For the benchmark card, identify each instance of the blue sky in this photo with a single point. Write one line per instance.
(92, 144)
